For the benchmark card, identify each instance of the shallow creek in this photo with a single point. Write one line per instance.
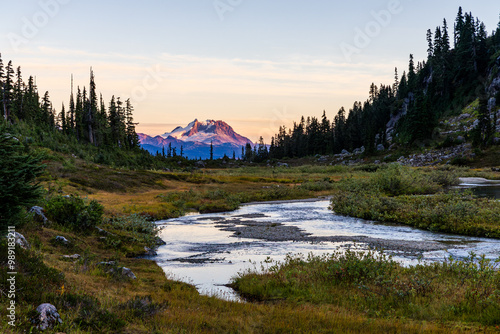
(208, 250)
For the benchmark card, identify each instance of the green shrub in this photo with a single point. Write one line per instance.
(402, 180)
(74, 212)
(138, 228)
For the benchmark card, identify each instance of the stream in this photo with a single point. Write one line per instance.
(207, 250)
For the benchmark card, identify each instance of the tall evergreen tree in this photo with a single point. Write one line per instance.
(63, 124)
(430, 44)
(91, 109)
(8, 91)
(445, 41)
(412, 76)
(18, 172)
(132, 137)
(18, 96)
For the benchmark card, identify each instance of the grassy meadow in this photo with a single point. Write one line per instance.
(348, 293)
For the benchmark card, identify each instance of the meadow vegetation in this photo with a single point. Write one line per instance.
(452, 292)
(418, 198)
(107, 215)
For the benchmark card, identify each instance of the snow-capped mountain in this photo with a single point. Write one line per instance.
(196, 138)
(210, 131)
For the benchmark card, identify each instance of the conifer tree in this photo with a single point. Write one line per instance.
(132, 137)
(412, 77)
(18, 171)
(47, 114)
(31, 100)
(18, 96)
(445, 41)
(248, 152)
(79, 115)
(7, 91)
(91, 109)
(430, 45)
(62, 120)
(459, 24)
(395, 86)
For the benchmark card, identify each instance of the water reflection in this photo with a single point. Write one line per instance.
(199, 252)
(482, 187)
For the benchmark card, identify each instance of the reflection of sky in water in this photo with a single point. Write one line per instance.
(223, 256)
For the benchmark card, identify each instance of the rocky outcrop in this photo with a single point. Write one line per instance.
(128, 273)
(47, 317)
(438, 156)
(62, 240)
(111, 267)
(39, 213)
(149, 252)
(494, 87)
(21, 241)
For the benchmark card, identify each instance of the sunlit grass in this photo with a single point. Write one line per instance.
(295, 300)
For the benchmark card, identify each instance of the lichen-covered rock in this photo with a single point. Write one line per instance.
(62, 240)
(149, 252)
(71, 257)
(38, 211)
(47, 316)
(21, 241)
(128, 273)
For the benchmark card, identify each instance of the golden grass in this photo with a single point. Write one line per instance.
(186, 312)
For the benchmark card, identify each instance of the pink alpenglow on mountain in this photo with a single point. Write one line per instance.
(196, 138)
(217, 132)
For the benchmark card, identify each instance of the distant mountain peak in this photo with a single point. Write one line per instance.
(209, 131)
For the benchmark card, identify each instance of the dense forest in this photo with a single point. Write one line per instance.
(86, 119)
(442, 85)
(87, 128)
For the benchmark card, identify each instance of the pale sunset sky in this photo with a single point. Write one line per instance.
(256, 64)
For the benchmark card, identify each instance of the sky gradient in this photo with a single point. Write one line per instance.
(256, 64)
